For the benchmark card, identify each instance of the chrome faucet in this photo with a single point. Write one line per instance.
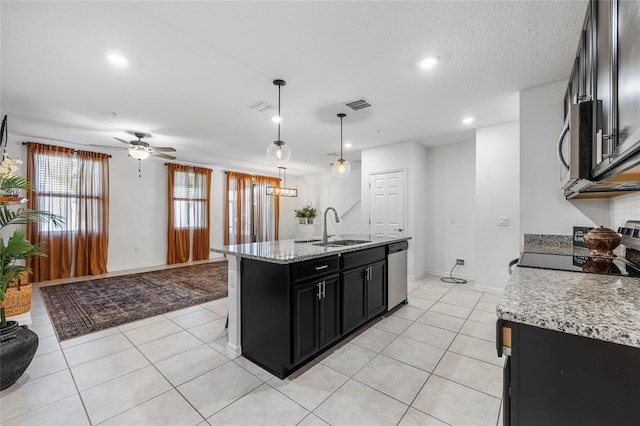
(324, 234)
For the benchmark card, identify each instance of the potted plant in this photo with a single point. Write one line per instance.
(17, 343)
(306, 214)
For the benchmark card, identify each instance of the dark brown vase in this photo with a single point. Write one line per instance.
(602, 241)
(18, 345)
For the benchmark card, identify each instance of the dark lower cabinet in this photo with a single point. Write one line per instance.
(364, 294)
(316, 316)
(353, 299)
(554, 378)
(376, 289)
(291, 312)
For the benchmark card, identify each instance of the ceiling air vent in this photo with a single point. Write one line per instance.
(259, 106)
(358, 104)
(333, 154)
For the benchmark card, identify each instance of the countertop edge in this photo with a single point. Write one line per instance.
(328, 251)
(553, 315)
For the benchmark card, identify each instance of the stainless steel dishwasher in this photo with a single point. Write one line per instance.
(397, 274)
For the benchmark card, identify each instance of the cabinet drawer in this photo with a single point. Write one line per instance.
(363, 257)
(315, 267)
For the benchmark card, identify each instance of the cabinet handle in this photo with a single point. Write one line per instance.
(319, 268)
(319, 291)
(324, 289)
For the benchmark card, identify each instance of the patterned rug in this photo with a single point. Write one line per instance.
(88, 306)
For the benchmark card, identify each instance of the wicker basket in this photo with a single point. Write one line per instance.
(18, 297)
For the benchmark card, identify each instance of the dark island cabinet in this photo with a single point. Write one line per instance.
(316, 316)
(291, 312)
(364, 288)
(555, 378)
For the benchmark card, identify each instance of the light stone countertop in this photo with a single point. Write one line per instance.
(603, 307)
(290, 251)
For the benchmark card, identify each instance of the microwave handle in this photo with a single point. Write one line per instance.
(565, 129)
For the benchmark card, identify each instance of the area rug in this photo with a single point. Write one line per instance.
(87, 306)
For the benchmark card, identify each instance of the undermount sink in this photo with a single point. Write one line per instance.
(306, 240)
(341, 243)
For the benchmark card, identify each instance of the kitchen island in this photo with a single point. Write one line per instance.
(291, 299)
(573, 341)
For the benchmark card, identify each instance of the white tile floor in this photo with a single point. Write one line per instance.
(432, 362)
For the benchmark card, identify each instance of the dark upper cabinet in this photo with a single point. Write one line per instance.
(616, 32)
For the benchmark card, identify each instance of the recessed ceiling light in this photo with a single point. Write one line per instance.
(348, 145)
(429, 62)
(117, 59)
(467, 120)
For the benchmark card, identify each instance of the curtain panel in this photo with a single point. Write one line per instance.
(202, 213)
(76, 188)
(178, 226)
(251, 215)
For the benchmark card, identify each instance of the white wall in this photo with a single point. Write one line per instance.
(411, 157)
(623, 208)
(451, 212)
(497, 194)
(543, 208)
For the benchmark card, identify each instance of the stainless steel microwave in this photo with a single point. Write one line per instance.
(575, 146)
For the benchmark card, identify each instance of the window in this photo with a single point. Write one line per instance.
(190, 200)
(57, 186)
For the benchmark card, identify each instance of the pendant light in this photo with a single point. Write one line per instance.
(341, 168)
(282, 191)
(278, 152)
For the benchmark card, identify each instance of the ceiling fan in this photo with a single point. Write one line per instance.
(140, 150)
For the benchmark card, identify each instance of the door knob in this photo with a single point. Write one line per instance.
(398, 229)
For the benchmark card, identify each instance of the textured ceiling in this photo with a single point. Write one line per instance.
(195, 67)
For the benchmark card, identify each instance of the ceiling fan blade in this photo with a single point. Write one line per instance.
(122, 140)
(164, 148)
(170, 157)
(109, 146)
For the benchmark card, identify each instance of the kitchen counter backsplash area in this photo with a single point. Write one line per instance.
(548, 243)
(558, 244)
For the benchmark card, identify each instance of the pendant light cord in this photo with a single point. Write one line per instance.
(341, 137)
(279, 116)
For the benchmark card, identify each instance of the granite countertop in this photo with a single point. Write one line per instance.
(602, 307)
(290, 251)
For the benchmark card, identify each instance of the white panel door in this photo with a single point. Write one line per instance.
(386, 204)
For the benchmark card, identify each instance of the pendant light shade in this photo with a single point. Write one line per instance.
(278, 152)
(341, 168)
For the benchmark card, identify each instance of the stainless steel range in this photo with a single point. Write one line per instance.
(627, 265)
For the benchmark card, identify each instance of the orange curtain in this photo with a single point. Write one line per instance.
(239, 211)
(78, 191)
(202, 213)
(178, 232)
(268, 209)
(56, 242)
(92, 241)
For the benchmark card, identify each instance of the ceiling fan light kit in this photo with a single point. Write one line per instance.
(139, 154)
(341, 168)
(279, 152)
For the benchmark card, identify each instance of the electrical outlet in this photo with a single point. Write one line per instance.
(136, 249)
(503, 220)
(460, 262)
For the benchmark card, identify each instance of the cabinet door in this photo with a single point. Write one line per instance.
(305, 320)
(376, 288)
(353, 299)
(603, 112)
(628, 76)
(330, 311)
